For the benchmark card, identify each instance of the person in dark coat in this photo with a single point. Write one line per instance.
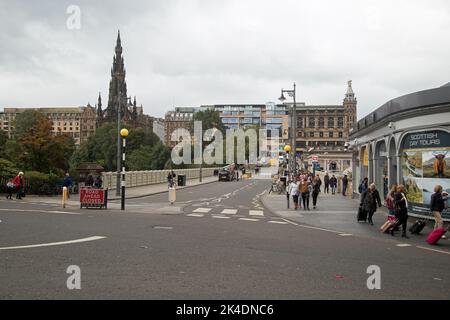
(316, 190)
(326, 181)
(333, 184)
(437, 205)
(344, 185)
(370, 200)
(401, 209)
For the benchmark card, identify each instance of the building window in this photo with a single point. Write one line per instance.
(340, 122)
(330, 122)
(320, 134)
(330, 134)
(312, 122)
(341, 135)
(300, 122)
(311, 134)
(321, 122)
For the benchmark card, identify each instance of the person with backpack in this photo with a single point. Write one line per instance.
(437, 205)
(344, 185)
(363, 186)
(401, 209)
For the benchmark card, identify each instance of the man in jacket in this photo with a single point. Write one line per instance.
(326, 181)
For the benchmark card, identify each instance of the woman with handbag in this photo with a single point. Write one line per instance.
(437, 205)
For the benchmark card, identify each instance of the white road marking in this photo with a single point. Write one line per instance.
(434, 250)
(345, 234)
(163, 228)
(220, 217)
(247, 219)
(256, 213)
(277, 222)
(202, 210)
(55, 243)
(229, 211)
(196, 215)
(35, 210)
(403, 245)
(313, 228)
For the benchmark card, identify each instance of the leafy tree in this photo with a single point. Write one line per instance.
(210, 119)
(8, 169)
(13, 151)
(102, 149)
(3, 140)
(42, 150)
(26, 120)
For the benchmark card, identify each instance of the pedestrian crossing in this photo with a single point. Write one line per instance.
(241, 214)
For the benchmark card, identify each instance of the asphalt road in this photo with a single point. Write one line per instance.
(216, 242)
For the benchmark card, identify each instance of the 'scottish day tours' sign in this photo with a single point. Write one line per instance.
(427, 140)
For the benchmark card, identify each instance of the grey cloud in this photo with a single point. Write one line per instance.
(203, 52)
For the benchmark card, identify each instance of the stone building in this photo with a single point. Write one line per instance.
(180, 118)
(76, 122)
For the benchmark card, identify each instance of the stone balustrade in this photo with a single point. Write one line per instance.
(144, 178)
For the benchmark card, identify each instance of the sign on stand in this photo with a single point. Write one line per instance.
(93, 198)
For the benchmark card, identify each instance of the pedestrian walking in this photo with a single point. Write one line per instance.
(389, 202)
(316, 190)
(293, 191)
(437, 205)
(19, 183)
(10, 189)
(344, 185)
(326, 181)
(98, 183)
(363, 186)
(333, 184)
(401, 209)
(305, 192)
(170, 178)
(89, 180)
(68, 183)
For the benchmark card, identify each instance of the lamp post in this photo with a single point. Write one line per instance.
(118, 148)
(124, 135)
(287, 149)
(292, 93)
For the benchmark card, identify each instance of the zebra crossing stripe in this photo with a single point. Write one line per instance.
(247, 219)
(220, 217)
(202, 210)
(196, 215)
(229, 211)
(256, 213)
(277, 222)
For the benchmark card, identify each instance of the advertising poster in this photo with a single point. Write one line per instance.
(425, 163)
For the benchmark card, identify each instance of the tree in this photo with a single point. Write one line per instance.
(26, 120)
(210, 119)
(43, 151)
(102, 149)
(3, 140)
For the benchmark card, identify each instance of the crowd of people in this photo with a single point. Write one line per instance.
(397, 204)
(17, 184)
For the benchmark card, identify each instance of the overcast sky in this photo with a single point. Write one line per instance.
(194, 52)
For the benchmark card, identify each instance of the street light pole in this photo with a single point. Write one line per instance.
(292, 93)
(124, 134)
(119, 153)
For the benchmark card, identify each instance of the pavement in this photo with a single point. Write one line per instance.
(337, 213)
(218, 241)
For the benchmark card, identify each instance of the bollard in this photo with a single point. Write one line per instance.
(172, 195)
(64, 197)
